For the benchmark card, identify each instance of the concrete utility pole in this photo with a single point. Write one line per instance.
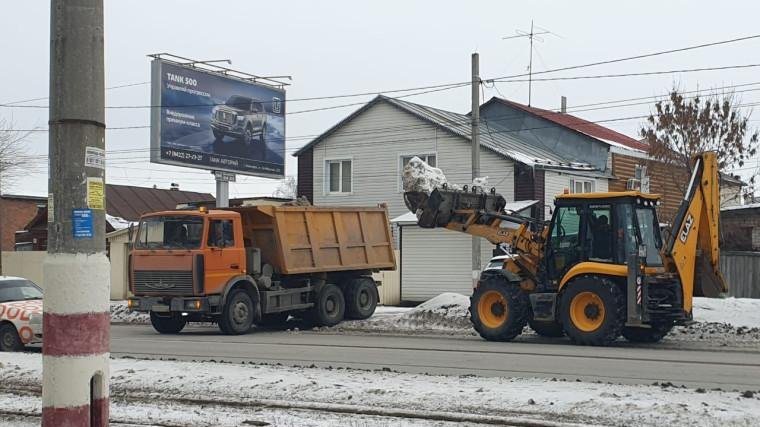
(475, 117)
(75, 366)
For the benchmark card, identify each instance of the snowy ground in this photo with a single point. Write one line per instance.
(220, 394)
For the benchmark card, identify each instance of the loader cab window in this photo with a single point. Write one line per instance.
(649, 230)
(599, 233)
(220, 234)
(625, 233)
(565, 247)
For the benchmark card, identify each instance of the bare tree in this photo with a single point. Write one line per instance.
(681, 127)
(14, 160)
(287, 188)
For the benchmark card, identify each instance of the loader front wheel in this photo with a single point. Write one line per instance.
(593, 311)
(648, 335)
(499, 309)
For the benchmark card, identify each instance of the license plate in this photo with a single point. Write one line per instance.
(160, 308)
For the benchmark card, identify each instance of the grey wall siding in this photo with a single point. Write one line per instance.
(742, 273)
(374, 142)
(437, 261)
(565, 142)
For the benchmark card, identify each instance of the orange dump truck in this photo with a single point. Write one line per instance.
(257, 265)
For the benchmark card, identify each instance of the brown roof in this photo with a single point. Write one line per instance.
(130, 202)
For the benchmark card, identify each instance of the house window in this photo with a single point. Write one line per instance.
(582, 186)
(339, 176)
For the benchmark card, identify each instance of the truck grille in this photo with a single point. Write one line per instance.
(225, 117)
(163, 282)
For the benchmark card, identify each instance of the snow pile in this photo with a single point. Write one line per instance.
(737, 312)
(420, 176)
(121, 314)
(225, 394)
(481, 183)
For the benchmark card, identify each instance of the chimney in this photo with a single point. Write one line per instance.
(174, 186)
(563, 105)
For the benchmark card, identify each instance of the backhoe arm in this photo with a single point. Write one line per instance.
(693, 249)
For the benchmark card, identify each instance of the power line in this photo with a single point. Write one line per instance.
(46, 97)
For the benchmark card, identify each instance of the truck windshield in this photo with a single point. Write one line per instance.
(239, 102)
(650, 234)
(170, 232)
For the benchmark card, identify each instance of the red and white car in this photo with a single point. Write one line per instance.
(20, 313)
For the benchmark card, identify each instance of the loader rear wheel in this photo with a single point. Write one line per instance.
(547, 329)
(329, 307)
(592, 311)
(361, 298)
(169, 324)
(499, 309)
(649, 335)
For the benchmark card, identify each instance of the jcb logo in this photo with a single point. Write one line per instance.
(686, 228)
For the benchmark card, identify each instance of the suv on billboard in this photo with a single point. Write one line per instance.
(241, 117)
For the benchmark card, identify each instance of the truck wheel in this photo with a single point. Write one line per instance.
(361, 298)
(171, 324)
(273, 320)
(499, 309)
(592, 311)
(248, 135)
(218, 136)
(547, 329)
(263, 134)
(650, 335)
(329, 306)
(9, 339)
(237, 316)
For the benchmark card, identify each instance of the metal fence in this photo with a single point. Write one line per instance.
(742, 272)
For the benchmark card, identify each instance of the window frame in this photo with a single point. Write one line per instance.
(584, 181)
(326, 187)
(400, 164)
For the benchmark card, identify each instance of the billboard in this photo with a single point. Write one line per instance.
(212, 121)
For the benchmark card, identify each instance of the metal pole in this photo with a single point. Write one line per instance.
(75, 366)
(475, 116)
(222, 193)
(530, 63)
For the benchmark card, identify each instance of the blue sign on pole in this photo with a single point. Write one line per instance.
(81, 222)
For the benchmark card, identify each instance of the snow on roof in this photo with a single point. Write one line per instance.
(739, 207)
(118, 223)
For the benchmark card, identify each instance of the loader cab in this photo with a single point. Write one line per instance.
(600, 228)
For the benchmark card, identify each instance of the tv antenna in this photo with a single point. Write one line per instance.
(531, 35)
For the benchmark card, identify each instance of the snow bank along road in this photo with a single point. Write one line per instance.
(164, 393)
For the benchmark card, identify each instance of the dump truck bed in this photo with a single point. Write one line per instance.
(308, 239)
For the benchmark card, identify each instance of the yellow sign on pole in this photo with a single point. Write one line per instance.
(95, 193)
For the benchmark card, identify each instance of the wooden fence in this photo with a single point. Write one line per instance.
(742, 272)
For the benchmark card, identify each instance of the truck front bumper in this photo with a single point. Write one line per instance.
(170, 304)
(227, 129)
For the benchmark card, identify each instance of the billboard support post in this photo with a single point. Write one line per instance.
(222, 193)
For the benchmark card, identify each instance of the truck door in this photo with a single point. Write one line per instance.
(225, 256)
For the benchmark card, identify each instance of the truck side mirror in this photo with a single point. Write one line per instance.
(131, 234)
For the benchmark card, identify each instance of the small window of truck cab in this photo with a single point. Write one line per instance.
(221, 233)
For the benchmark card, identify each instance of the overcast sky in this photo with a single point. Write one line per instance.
(344, 47)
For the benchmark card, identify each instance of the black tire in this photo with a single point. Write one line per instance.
(248, 135)
(218, 135)
(329, 307)
(170, 324)
(547, 329)
(648, 335)
(263, 134)
(238, 314)
(597, 316)
(499, 309)
(273, 320)
(361, 298)
(9, 338)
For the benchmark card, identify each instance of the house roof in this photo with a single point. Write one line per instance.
(129, 202)
(577, 124)
(498, 141)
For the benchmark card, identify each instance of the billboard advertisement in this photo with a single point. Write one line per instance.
(213, 121)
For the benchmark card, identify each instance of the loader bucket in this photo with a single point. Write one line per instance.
(708, 281)
(443, 207)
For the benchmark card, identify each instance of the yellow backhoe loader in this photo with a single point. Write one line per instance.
(598, 269)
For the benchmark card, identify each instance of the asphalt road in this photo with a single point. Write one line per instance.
(709, 368)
